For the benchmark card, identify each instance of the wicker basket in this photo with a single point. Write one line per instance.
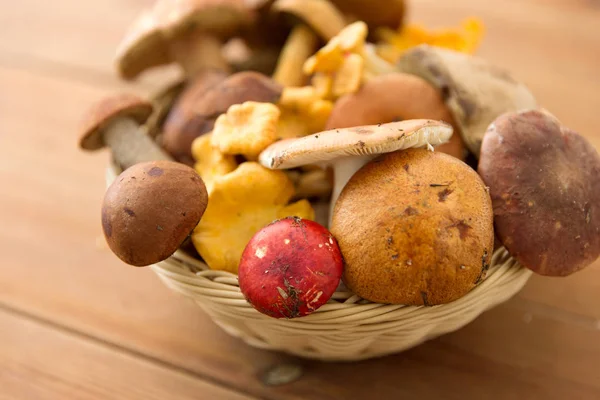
(347, 328)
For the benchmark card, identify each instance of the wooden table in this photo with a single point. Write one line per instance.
(75, 323)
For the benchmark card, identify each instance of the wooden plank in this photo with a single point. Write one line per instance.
(38, 361)
(57, 271)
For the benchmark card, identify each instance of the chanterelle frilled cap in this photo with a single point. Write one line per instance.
(356, 141)
(101, 115)
(147, 42)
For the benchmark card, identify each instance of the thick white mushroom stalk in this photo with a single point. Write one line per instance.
(349, 149)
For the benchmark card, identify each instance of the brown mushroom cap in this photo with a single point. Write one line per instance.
(150, 209)
(476, 91)
(375, 13)
(395, 97)
(415, 227)
(544, 181)
(147, 42)
(102, 114)
(204, 100)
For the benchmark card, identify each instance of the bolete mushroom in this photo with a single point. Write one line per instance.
(544, 180)
(476, 91)
(150, 210)
(394, 97)
(348, 149)
(240, 204)
(207, 97)
(115, 122)
(188, 32)
(376, 13)
(290, 268)
(415, 227)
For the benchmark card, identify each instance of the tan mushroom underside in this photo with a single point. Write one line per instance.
(355, 141)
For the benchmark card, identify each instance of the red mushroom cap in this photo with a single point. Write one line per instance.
(290, 268)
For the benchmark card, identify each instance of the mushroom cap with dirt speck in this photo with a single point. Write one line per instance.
(544, 182)
(103, 113)
(415, 227)
(395, 97)
(476, 91)
(150, 210)
(146, 44)
(355, 141)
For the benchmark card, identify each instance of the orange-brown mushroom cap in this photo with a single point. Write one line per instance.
(415, 227)
(395, 97)
(150, 209)
(108, 110)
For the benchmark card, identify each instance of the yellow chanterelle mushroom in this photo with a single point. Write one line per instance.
(344, 62)
(210, 162)
(246, 129)
(303, 112)
(240, 204)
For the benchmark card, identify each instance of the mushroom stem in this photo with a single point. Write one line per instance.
(130, 144)
(343, 169)
(300, 45)
(198, 52)
(375, 65)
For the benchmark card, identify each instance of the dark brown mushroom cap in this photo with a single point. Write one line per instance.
(415, 227)
(150, 209)
(100, 116)
(395, 97)
(203, 101)
(544, 182)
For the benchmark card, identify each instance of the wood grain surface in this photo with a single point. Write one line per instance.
(77, 323)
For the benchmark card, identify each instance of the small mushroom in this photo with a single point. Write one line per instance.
(240, 204)
(544, 182)
(320, 15)
(207, 97)
(415, 227)
(150, 210)
(394, 97)
(290, 268)
(348, 149)
(188, 32)
(115, 122)
(376, 13)
(476, 91)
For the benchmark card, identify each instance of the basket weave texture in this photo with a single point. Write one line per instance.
(347, 328)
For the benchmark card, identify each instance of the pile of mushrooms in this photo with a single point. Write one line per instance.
(293, 153)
